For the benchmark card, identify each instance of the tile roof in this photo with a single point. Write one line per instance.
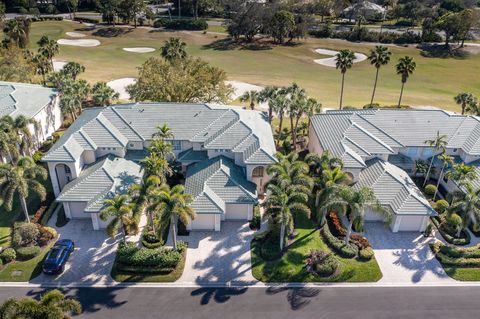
(216, 182)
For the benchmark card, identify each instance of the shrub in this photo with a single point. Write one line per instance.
(323, 263)
(51, 230)
(335, 222)
(441, 205)
(430, 189)
(181, 246)
(182, 24)
(25, 234)
(46, 235)
(428, 230)
(457, 257)
(366, 253)
(256, 221)
(150, 237)
(26, 253)
(38, 214)
(86, 19)
(8, 255)
(359, 241)
(464, 237)
(37, 156)
(339, 246)
(48, 214)
(131, 255)
(453, 223)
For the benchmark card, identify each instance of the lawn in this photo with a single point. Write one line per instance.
(463, 274)
(291, 267)
(435, 81)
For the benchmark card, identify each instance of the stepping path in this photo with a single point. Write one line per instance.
(120, 85)
(139, 50)
(79, 42)
(330, 62)
(75, 34)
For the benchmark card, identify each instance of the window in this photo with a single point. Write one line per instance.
(177, 145)
(258, 171)
(67, 170)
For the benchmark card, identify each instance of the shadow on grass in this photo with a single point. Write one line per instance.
(230, 44)
(298, 298)
(111, 32)
(440, 51)
(219, 295)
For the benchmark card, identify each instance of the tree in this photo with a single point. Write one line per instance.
(73, 94)
(420, 167)
(103, 95)
(446, 160)
(469, 18)
(44, 66)
(405, 67)
(21, 179)
(247, 21)
(344, 61)
(187, 80)
(252, 97)
(467, 205)
(267, 95)
(73, 69)
(48, 48)
(173, 204)
(281, 25)
(378, 57)
(143, 195)
(439, 143)
(297, 107)
(109, 10)
(119, 211)
(18, 31)
(52, 305)
(451, 24)
(16, 66)
(20, 135)
(164, 132)
(462, 173)
(290, 171)
(173, 49)
(313, 107)
(466, 100)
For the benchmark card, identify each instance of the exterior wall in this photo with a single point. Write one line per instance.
(313, 142)
(238, 212)
(371, 216)
(215, 153)
(409, 223)
(135, 146)
(205, 222)
(101, 151)
(58, 176)
(77, 210)
(88, 157)
(259, 181)
(49, 120)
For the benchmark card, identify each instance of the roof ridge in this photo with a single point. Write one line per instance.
(237, 184)
(357, 145)
(378, 128)
(372, 136)
(128, 124)
(100, 120)
(410, 191)
(222, 130)
(87, 138)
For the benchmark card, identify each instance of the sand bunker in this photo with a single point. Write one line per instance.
(239, 88)
(75, 34)
(330, 62)
(119, 86)
(80, 42)
(58, 65)
(139, 50)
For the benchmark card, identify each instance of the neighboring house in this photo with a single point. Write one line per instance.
(366, 9)
(397, 137)
(238, 143)
(34, 102)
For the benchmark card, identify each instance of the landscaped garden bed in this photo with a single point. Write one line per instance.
(447, 233)
(459, 263)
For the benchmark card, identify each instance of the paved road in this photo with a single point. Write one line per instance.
(278, 303)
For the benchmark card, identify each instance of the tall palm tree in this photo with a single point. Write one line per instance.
(439, 143)
(251, 96)
(52, 304)
(266, 96)
(467, 205)
(18, 30)
(73, 69)
(154, 164)
(103, 95)
(462, 173)
(446, 160)
(290, 170)
(21, 179)
(319, 163)
(279, 105)
(344, 61)
(405, 67)
(282, 203)
(19, 131)
(143, 194)
(120, 210)
(172, 204)
(173, 49)
(313, 107)
(378, 57)
(48, 48)
(466, 101)
(43, 66)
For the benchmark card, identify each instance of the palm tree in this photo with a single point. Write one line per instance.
(21, 179)
(267, 95)
(173, 49)
(19, 129)
(155, 164)
(142, 194)
(344, 61)
(319, 163)
(288, 171)
(48, 48)
(462, 173)
(447, 160)
(18, 30)
(73, 69)
(378, 57)
(103, 95)
(405, 67)
(164, 132)
(52, 304)
(252, 97)
(282, 203)
(439, 143)
(420, 167)
(119, 210)
(466, 101)
(313, 107)
(279, 105)
(43, 66)
(467, 205)
(172, 204)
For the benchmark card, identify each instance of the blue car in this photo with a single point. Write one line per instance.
(58, 256)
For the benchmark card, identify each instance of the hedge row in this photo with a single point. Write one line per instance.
(181, 24)
(36, 19)
(86, 19)
(129, 254)
(449, 238)
(457, 257)
(338, 245)
(26, 253)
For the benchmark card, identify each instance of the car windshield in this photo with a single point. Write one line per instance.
(55, 253)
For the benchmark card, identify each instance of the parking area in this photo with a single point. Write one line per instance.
(404, 257)
(92, 259)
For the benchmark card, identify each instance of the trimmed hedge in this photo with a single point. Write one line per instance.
(129, 254)
(338, 245)
(366, 253)
(464, 240)
(46, 18)
(182, 24)
(86, 19)
(256, 221)
(457, 257)
(8, 255)
(26, 253)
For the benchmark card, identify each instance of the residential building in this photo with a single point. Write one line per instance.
(223, 151)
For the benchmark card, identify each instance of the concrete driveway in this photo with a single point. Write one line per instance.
(215, 257)
(404, 257)
(92, 259)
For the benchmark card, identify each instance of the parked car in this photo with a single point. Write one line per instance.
(58, 256)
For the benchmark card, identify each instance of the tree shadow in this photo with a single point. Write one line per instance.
(219, 295)
(230, 44)
(111, 32)
(440, 51)
(298, 298)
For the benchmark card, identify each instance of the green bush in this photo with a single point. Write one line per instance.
(366, 253)
(430, 189)
(181, 246)
(37, 156)
(464, 237)
(26, 253)
(150, 237)
(86, 19)
(148, 245)
(8, 255)
(25, 234)
(131, 255)
(48, 214)
(323, 263)
(182, 24)
(338, 245)
(441, 205)
(256, 221)
(457, 257)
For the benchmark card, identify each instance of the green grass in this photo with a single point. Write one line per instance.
(463, 274)
(217, 28)
(20, 271)
(135, 277)
(291, 267)
(435, 81)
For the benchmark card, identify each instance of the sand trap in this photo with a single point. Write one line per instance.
(139, 50)
(80, 42)
(75, 34)
(120, 85)
(58, 65)
(241, 87)
(330, 62)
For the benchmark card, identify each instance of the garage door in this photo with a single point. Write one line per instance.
(77, 210)
(410, 223)
(371, 216)
(204, 222)
(237, 211)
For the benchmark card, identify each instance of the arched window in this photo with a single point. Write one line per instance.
(67, 170)
(258, 171)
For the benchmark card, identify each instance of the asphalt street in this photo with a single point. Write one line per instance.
(259, 303)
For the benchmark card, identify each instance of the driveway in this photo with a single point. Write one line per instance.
(219, 257)
(92, 259)
(404, 257)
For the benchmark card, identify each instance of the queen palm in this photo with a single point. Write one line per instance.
(439, 143)
(466, 101)
(119, 210)
(319, 163)
(405, 67)
(173, 49)
(467, 205)
(462, 173)
(288, 171)
(142, 194)
(173, 204)
(21, 180)
(252, 97)
(157, 165)
(8, 150)
(279, 104)
(344, 61)
(20, 130)
(52, 304)
(103, 95)
(446, 160)
(378, 57)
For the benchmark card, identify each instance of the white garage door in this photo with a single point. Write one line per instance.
(77, 210)
(410, 223)
(204, 222)
(371, 216)
(237, 211)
